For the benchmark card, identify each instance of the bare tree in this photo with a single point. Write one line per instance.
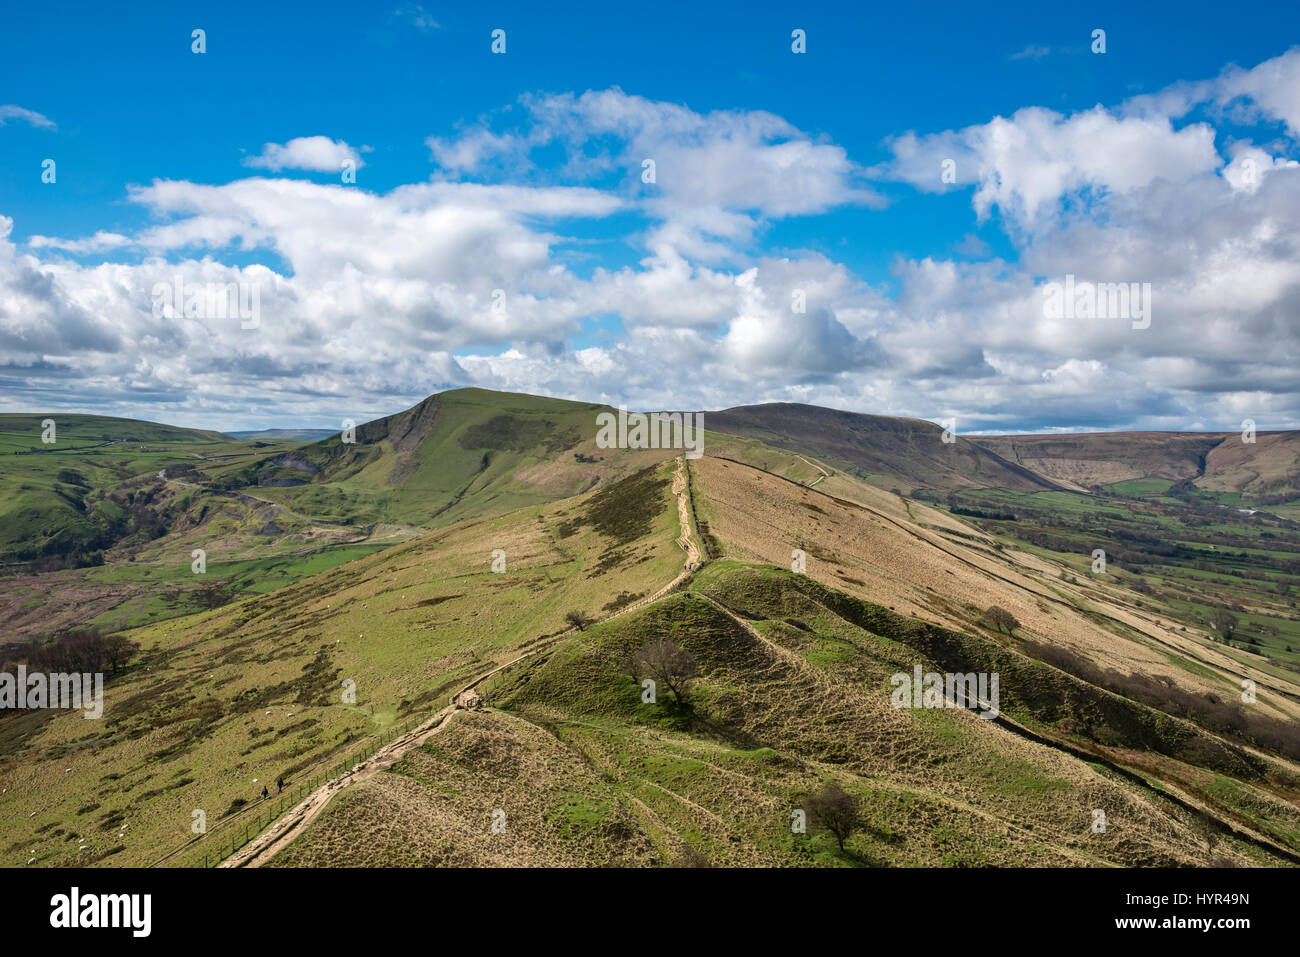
(578, 619)
(669, 665)
(836, 811)
(1001, 619)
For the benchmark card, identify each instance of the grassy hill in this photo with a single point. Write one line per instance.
(456, 455)
(794, 691)
(101, 531)
(99, 527)
(905, 454)
(56, 499)
(1265, 471)
(217, 704)
(1115, 694)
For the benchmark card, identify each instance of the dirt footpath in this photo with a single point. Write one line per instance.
(293, 822)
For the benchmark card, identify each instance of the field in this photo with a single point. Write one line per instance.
(220, 703)
(434, 636)
(574, 768)
(1188, 558)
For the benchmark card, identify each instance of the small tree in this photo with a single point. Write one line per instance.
(213, 594)
(1001, 619)
(578, 619)
(1224, 622)
(836, 811)
(669, 666)
(118, 650)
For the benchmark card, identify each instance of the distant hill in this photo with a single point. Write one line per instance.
(311, 435)
(460, 454)
(907, 454)
(1213, 461)
(53, 495)
(23, 431)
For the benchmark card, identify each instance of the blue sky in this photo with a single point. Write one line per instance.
(917, 288)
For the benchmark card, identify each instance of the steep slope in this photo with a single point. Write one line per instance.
(925, 564)
(216, 705)
(456, 455)
(888, 452)
(572, 766)
(1214, 461)
(1266, 471)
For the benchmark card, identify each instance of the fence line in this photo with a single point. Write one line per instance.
(281, 802)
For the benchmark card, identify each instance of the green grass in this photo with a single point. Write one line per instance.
(1186, 560)
(407, 625)
(763, 731)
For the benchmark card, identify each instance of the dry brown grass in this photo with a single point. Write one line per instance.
(935, 568)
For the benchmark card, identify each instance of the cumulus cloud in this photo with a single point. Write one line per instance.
(1272, 89)
(1026, 164)
(318, 154)
(708, 179)
(372, 300)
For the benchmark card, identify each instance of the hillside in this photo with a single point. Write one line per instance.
(582, 773)
(1265, 471)
(219, 703)
(102, 531)
(56, 500)
(486, 649)
(905, 454)
(99, 528)
(794, 690)
(456, 455)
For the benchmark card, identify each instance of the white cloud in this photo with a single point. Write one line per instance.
(9, 111)
(1272, 88)
(717, 176)
(376, 299)
(1025, 165)
(102, 241)
(319, 154)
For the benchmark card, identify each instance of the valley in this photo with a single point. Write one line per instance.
(437, 638)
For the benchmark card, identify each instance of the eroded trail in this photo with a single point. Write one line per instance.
(825, 474)
(293, 822)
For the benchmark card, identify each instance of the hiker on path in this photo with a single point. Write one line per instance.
(279, 783)
(265, 793)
